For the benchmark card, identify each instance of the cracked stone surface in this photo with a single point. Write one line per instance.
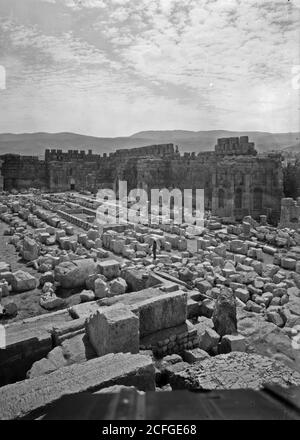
(234, 371)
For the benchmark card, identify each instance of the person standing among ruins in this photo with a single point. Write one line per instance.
(154, 249)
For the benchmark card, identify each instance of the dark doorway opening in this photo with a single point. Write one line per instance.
(238, 198)
(221, 197)
(258, 199)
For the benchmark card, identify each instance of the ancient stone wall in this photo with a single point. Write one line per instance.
(234, 185)
(70, 155)
(235, 146)
(78, 170)
(32, 173)
(23, 172)
(236, 181)
(290, 213)
(248, 185)
(291, 172)
(184, 172)
(150, 150)
(71, 175)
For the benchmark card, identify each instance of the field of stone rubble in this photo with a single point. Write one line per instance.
(84, 308)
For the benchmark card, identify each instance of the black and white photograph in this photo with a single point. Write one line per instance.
(149, 213)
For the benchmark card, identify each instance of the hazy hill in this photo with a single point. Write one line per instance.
(293, 148)
(36, 143)
(206, 140)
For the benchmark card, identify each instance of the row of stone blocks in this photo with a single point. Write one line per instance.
(87, 203)
(89, 240)
(54, 221)
(75, 220)
(235, 246)
(33, 218)
(129, 245)
(44, 232)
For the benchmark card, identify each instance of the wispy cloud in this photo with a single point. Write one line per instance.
(118, 66)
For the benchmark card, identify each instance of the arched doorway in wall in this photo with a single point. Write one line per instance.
(238, 198)
(221, 198)
(257, 199)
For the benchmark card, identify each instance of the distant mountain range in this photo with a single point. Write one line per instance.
(293, 148)
(187, 141)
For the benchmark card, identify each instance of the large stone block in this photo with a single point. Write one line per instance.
(118, 286)
(101, 288)
(43, 237)
(288, 263)
(237, 246)
(74, 273)
(195, 355)
(224, 316)
(113, 329)
(30, 397)
(30, 249)
(232, 343)
(164, 311)
(93, 234)
(23, 281)
(208, 340)
(242, 294)
(136, 279)
(110, 269)
(157, 310)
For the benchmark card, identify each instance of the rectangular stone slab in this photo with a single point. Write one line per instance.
(165, 311)
(31, 396)
(157, 310)
(131, 298)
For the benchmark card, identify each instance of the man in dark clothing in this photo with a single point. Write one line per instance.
(154, 248)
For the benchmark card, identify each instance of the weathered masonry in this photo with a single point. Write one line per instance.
(237, 181)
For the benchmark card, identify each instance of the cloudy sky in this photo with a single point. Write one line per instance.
(115, 67)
